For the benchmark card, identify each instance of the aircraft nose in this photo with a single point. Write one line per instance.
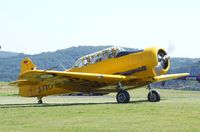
(163, 62)
(163, 59)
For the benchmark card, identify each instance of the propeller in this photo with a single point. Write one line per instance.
(163, 56)
(163, 59)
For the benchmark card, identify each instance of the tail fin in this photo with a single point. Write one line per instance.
(27, 65)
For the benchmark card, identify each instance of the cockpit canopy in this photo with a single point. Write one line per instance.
(98, 56)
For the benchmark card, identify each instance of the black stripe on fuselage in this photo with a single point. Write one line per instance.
(139, 69)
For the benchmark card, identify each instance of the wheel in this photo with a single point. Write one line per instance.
(40, 101)
(153, 96)
(123, 96)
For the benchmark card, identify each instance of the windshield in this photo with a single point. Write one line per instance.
(98, 56)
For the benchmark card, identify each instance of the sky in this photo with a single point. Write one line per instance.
(34, 26)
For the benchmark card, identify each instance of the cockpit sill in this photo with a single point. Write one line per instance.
(112, 52)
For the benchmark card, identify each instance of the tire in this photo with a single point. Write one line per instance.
(40, 102)
(123, 96)
(153, 96)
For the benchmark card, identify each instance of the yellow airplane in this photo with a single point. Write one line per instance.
(111, 70)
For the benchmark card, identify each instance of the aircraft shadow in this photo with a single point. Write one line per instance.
(61, 104)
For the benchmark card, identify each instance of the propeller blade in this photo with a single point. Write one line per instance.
(170, 48)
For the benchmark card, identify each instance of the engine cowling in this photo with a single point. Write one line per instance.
(163, 62)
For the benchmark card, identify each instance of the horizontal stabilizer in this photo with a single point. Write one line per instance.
(21, 82)
(15, 83)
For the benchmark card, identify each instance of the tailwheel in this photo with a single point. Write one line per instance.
(123, 96)
(39, 100)
(153, 96)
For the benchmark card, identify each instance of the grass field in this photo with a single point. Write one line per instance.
(178, 111)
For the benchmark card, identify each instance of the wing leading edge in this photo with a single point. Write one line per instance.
(54, 77)
(169, 77)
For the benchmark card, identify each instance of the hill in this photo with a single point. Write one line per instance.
(6, 54)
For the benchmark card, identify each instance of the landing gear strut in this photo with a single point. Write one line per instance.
(39, 100)
(153, 95)
(122, 95)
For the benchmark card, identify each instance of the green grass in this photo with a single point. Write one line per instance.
(8, 94)
(178, 111)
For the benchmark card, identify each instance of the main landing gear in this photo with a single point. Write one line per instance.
(153, 95)
(39, 100)
(122, 95)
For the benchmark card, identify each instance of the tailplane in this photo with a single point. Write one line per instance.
(27, 65)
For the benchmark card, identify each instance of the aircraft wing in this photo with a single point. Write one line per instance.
(169, 77)
(58, 77)
(62, 79)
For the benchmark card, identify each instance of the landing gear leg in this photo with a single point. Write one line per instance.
(39, 100)
(122, 95)
(149, 87)
(153, 95)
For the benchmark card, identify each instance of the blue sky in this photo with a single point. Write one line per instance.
(34, 26)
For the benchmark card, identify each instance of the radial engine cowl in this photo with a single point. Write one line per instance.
(163, 62)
